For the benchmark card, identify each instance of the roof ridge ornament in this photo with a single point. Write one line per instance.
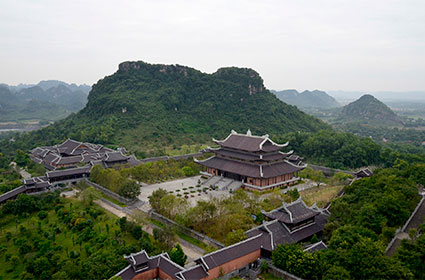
(248, 132)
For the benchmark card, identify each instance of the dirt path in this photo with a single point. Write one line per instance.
(193, 252)
(24, 174)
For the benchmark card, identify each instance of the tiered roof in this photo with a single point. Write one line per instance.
(249, 155)
(293, 213)
(279, 228)
(250, 143)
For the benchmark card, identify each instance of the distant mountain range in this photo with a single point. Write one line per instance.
(349, 96)
(48, 100)
(307, 99)
(368, 109)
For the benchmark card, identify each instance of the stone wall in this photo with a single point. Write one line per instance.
(185, 230)
(110, 193)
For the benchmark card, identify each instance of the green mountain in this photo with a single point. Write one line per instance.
(144, 105)
(48, 101)
(307, 99)
(367, 109)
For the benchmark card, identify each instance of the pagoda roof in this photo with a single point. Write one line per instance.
(250, 169)
(115, 156)
(249, 142)
(293, 213)
(278, 233)
(249, 156)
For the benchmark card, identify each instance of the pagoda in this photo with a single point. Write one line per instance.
(256, 161)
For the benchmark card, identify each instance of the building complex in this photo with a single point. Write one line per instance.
(291, 223)
(256, 161)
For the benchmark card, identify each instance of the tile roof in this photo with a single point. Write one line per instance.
(316, 247)
(68, 172)
(232, 252)
(248, 142)
(250, 169)
(162, 262)
(292, 213)
(12, 193)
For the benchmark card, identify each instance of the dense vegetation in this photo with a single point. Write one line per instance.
(345, 150)
(369, 109)
(361, 224)
(145, 106)
(49, 100)
(48, 237)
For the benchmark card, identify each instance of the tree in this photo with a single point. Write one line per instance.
(88, 195)
(336, 273)
(235, 237)
(188, 171)
(165, 236)
(21, 158)
(130, 190)
(177, 255)
(155, 199)
(137, 232)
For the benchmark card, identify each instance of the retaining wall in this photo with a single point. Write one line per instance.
(329, 171)
(110, 193)
(282, 274)
(185, 230)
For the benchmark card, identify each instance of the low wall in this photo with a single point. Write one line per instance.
(185, 230)
(282, 274)
(110, 193)
(330, 171)
(165, 158)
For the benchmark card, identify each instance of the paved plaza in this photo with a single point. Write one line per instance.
(176, 187)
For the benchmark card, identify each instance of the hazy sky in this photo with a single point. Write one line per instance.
(350, 45)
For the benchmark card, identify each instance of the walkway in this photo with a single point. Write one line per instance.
(24, 174)
(416, 219)
(193, 252)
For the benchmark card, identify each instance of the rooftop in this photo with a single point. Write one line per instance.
(249, 142)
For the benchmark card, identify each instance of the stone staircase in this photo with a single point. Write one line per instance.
(212, 181)
(235, 185)
(223, 183)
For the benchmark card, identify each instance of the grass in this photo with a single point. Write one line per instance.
(186, 237)
(268, 276)
(207, 248)
(321, 195)
(113, 200)
(156, 222)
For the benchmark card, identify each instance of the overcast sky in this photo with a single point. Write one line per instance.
(348, 45)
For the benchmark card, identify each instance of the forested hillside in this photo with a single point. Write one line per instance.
(48, 101)
(307, 99)
(369, 110)
(144, 105)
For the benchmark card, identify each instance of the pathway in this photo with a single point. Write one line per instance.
(193, 252)
(416, 219)
(24, 174)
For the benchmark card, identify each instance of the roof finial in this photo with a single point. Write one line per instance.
(248, 133)
(233, 132)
